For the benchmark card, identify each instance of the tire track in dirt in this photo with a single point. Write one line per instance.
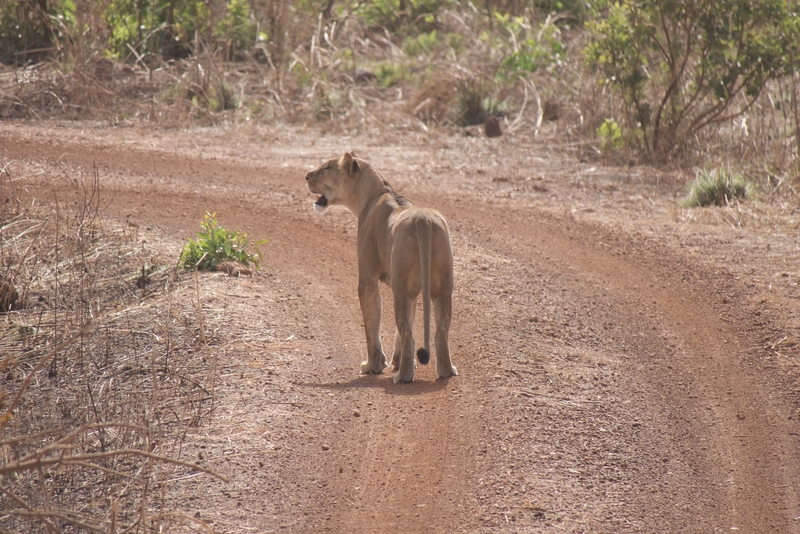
(749, 456)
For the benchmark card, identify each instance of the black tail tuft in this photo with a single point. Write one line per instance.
(423, 356)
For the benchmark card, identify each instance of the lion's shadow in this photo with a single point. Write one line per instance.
(418, 387)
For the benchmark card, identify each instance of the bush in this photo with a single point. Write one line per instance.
(401, 16)
(533, 49)
(236, 29)
(476, 101)
(681, 66)
(27, 33)
(610, 135)
(389, 74)
(215, 245)
(165, 27)
(422, 43)
(717, 186)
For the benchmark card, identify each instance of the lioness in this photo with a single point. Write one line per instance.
(405, 247)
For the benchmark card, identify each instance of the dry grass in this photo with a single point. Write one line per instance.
(101, 376)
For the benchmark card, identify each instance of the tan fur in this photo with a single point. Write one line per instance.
(406, 247)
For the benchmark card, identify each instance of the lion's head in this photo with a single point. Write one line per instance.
(335, 182)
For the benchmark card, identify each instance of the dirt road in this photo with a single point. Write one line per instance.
(625, 365)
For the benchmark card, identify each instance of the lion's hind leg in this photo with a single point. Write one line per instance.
(442, 309)
(398, 341)
(404, 316)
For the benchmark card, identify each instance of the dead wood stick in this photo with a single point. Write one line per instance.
(44, 462)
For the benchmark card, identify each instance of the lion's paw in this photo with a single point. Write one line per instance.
(398, 379)
(453, 372)
(368, 369)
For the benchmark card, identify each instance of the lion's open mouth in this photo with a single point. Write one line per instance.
(322, 201)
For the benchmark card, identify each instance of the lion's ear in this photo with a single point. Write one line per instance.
(348, 163)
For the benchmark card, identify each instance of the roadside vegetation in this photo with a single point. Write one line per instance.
(638, 82)
(216, 245)
(103, 367)
(717, 187)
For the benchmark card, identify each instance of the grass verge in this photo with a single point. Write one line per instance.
(718, 187)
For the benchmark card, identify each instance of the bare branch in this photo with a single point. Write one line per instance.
(44, 462)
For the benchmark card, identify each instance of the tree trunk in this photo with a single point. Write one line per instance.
(326, 14)
(138, 25)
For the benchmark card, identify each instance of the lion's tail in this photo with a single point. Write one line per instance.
(423, 227)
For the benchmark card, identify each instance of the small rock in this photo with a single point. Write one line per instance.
(356, 413)
(326, 447)
(492, 127)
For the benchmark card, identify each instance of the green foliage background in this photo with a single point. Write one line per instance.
(676, 66)
(679, 65)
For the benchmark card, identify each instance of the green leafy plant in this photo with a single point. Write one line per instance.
(422, 43)
(716, 187)
(215, 245)
(541, 50)
(401, 16)
(158, 26)
(30, 30)
(389, 74)
(236, 29)
(610, 135)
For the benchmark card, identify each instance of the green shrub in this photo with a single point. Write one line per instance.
(27, 33)
(222, 98)
(610, 135)
(681, 66)
(401, 16)
(389, 74)
(215, 245)
(236, 29)
(717, 187)
(541, 51)
(422, 43)
(164, 27)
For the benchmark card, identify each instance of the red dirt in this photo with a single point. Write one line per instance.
(625, 364)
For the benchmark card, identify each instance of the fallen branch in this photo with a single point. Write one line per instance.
(44, 462)
(41, 514)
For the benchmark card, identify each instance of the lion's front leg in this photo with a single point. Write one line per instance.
(369, 296)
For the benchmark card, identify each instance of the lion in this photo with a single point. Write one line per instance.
(405, 247)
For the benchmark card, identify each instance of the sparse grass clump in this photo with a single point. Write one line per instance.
(716, 186)
(215, 245)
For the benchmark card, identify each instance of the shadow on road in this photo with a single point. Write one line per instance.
(383, 381)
